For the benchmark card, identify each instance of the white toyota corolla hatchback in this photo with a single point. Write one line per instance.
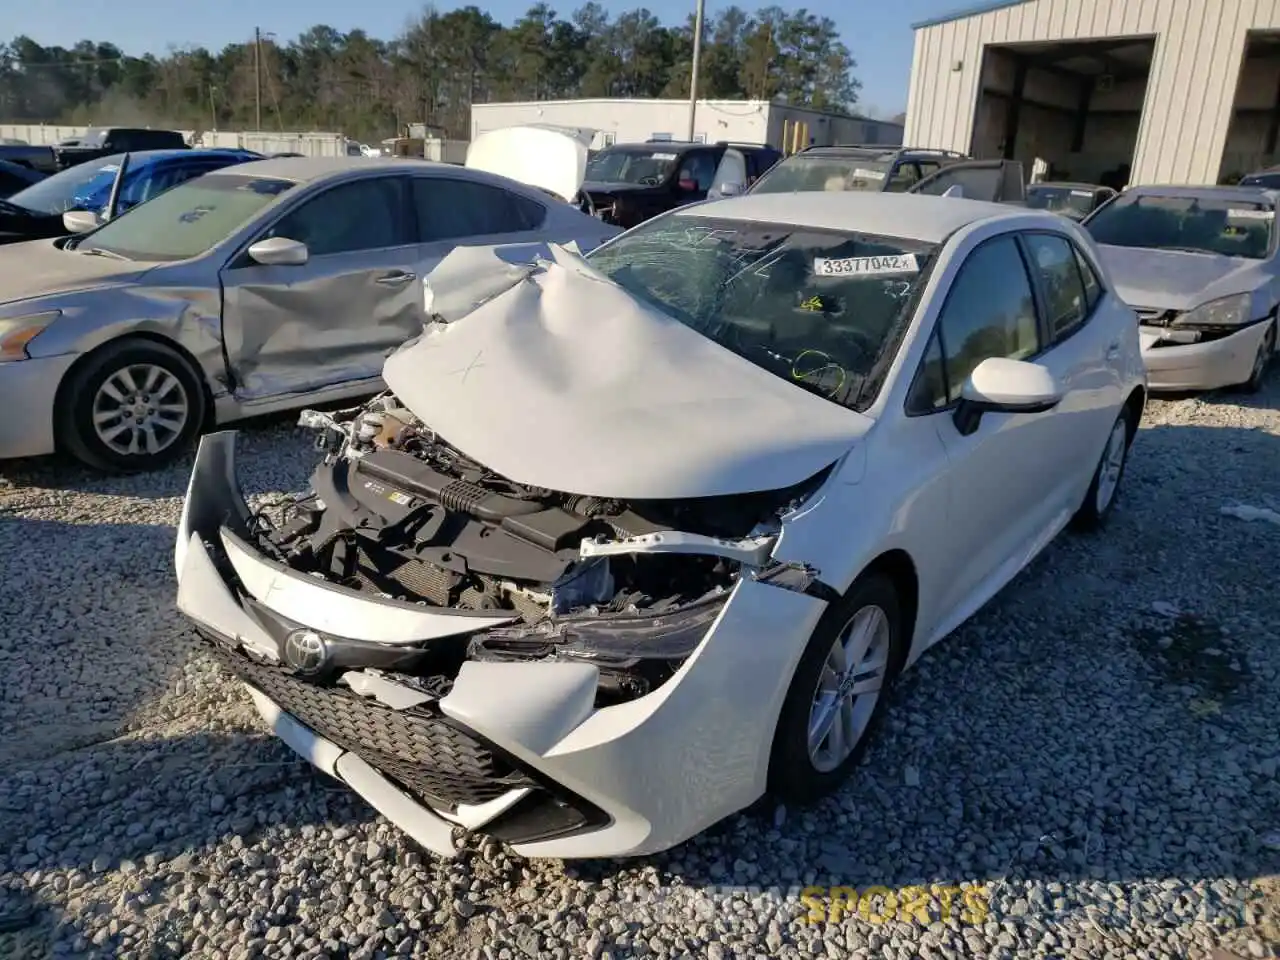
(637, 538)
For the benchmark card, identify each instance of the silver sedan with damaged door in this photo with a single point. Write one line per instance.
(261, 287)
(1201, 267)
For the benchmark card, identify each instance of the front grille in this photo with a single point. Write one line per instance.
(426, 756)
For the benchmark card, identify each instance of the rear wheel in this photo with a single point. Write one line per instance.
(1262, 362)
(838, 692)
(134, 405)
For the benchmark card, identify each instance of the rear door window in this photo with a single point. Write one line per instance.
(451, 209)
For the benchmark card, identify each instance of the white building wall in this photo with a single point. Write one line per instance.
(1187, 108)
(634, 121)
(623, 121)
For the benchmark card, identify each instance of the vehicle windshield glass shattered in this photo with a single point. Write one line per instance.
(187, 220)
(1210, 225)
(647, 167)
(801, 174)
(59, 193)
(823, 309)
(1073, 202)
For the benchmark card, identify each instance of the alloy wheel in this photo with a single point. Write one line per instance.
(1112, 465)
(849, 688)
(140, 409)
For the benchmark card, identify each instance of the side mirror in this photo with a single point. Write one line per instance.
(80, 221)
(730, 189)
(1000, 385)
(279, 252)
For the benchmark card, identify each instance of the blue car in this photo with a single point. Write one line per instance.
(36, 212)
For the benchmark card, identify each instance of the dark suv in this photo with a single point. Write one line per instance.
(630, 182)
(894, 169)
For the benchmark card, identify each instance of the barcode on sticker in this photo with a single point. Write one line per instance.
(866, 266)
(1246, 214)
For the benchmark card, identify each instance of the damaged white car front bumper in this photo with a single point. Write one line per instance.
(517, 750)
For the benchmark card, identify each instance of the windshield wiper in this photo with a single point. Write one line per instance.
(15, 208)
(100, 252)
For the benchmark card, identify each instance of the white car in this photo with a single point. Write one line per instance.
(637, 537)
(1201, 267)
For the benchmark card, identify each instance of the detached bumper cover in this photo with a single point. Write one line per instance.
(516, 750)
(1201, 366)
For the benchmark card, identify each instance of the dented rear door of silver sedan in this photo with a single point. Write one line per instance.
(295, 328)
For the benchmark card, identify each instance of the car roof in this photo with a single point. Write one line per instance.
(308, 169)
(1205, 192)
(908, 215)
(838, 151)
(1067, 185)
(153, 156)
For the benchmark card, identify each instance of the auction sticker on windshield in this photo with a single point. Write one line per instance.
(663, 156)
(866, 266)
(1245, 213)
(869, 174)
(1081, 193)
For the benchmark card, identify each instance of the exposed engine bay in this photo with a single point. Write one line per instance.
(395, 511)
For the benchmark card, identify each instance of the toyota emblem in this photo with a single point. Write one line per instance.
(306, 652)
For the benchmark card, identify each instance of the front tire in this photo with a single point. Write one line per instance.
(1105, 486)
(838, 692)
(134, 405)
(1262, 361)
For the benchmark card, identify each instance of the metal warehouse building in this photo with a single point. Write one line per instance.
(637, 120)
(1185, 91)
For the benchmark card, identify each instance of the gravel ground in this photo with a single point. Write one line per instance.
(1092, 759)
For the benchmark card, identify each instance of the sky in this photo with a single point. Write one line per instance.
(878, 34)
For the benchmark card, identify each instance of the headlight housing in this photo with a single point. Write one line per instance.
(1233, 311)
(635, 654)
(17, 332)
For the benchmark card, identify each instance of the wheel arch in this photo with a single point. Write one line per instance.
(896, 564)
(1135, 404)
(139, 336)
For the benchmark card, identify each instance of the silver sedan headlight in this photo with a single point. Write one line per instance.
(17, 332)
(1232, 311)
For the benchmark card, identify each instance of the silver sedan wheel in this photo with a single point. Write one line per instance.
(1112, 466)
(140, 409)
(849, 688)
(1265, 349)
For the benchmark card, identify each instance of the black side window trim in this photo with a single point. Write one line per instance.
(1042, 304)
(1032, 282)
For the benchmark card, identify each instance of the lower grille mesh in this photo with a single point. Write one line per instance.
(426, 756)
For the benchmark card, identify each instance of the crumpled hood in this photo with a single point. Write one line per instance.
(567, 382)
(37, 268)
(1173, 280)
(551, 158)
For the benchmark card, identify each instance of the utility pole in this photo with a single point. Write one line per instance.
(257, 78)
(697, 58)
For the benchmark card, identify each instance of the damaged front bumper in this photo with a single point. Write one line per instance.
(517, 750)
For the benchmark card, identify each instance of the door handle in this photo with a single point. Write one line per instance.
(1113, 351)
(395, 279)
